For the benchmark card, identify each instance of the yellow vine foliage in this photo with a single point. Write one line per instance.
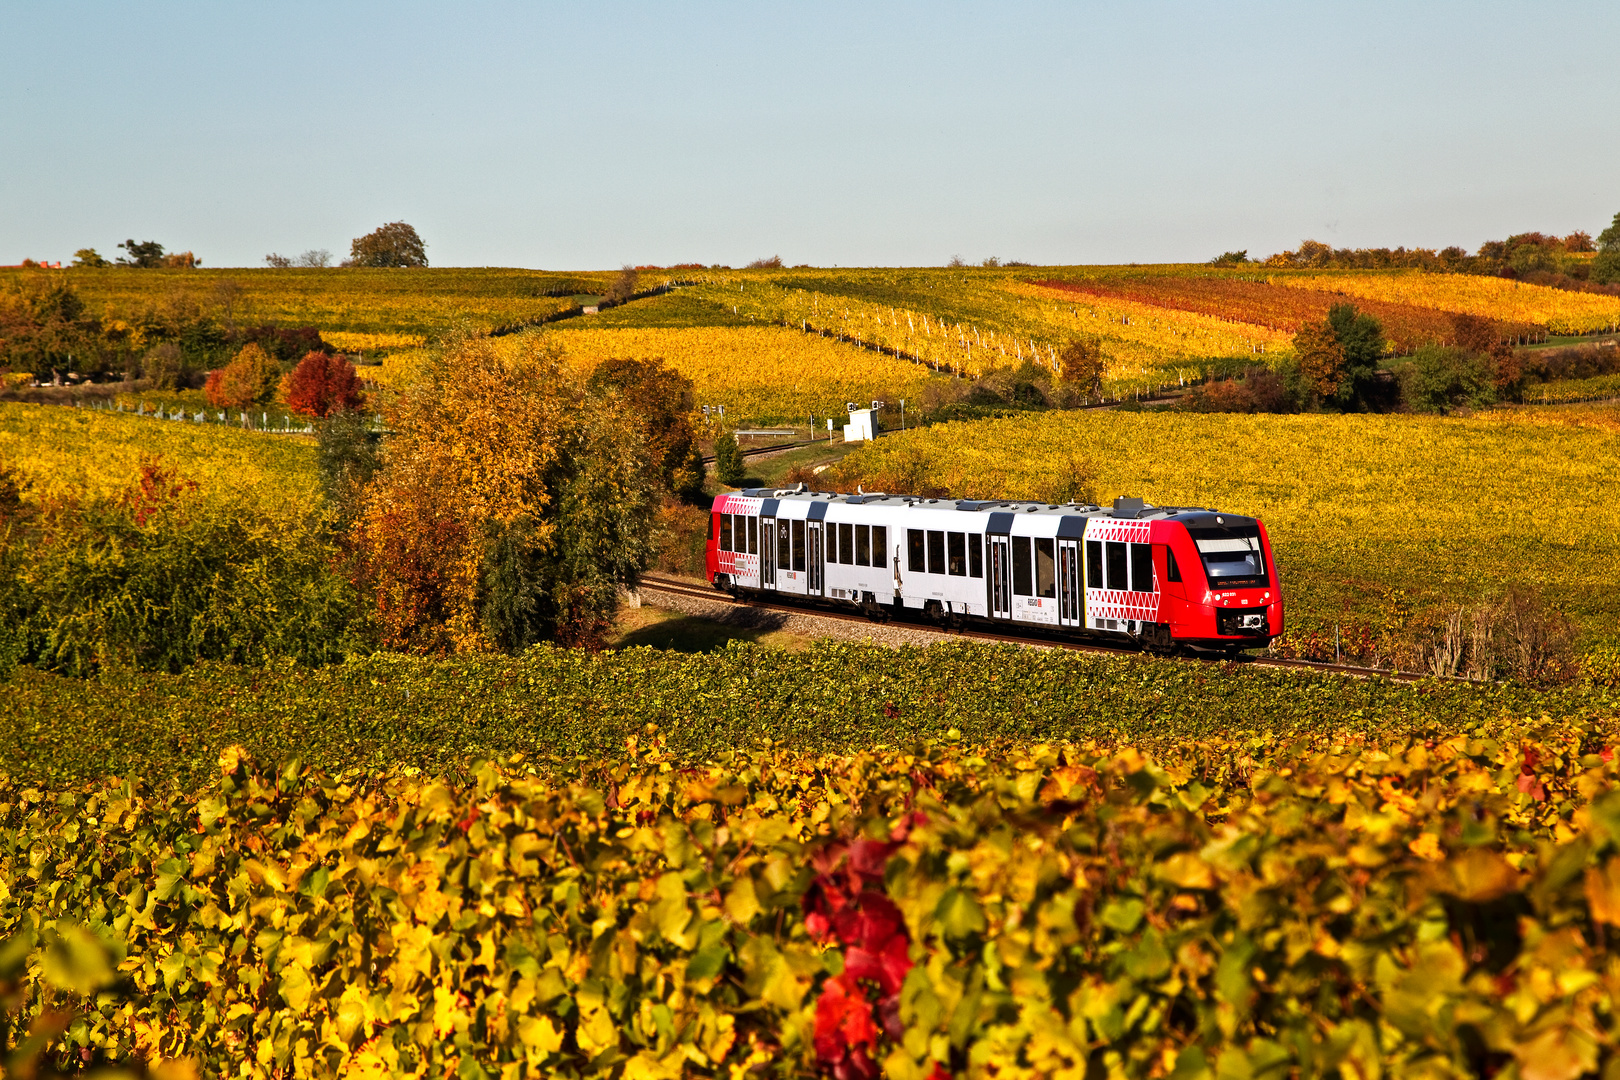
(66, 452)
(1561, 311)
(763, 373)
(351, 342)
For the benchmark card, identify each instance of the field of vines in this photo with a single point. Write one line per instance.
(1374, 518)
(414, 303)
(1558, 310)
(65, 452)
(675, 866)
(1279, 307)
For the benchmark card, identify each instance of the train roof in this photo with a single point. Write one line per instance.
(1131, 509)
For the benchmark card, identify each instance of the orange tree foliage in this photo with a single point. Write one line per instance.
(509, 508)
(321, 385)
(249, 379)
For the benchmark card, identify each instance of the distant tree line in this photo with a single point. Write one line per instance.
(1574, 262)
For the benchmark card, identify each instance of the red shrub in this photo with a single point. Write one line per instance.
(321, 385)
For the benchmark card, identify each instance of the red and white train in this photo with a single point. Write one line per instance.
(1162, 576)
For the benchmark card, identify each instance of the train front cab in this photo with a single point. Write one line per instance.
(1219, 581)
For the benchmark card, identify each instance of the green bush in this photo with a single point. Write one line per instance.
(1443, 378)
(729, 466)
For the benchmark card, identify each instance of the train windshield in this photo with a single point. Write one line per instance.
(1232, 556)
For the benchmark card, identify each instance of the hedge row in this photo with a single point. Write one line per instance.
(439, 716)
(1435, 908)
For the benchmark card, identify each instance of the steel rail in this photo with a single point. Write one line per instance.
(700, 591)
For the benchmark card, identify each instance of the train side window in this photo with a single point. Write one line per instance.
(1094, 565)
(830, 531)
(1023, 568)
(975, 544)
(798, 545)
(1172, 570)
(725, 533)
(880, 545)
(1142, 567)
(782, 551)
(936, 551)
(863, 546)
(1119, 576)
(846, 544)
(956, 550)
(914, 551)
(714, 526)
(1045, 568)
(753, 535)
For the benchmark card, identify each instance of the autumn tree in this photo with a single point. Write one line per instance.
(44, 325)
(1606, 267)
(623, 286)
(394, 244)
(511, 506)
(321, 385)
(662, 400)
(147, 254)
(1081, 364)
(730, 467)
(249, 379)
(1339, 356)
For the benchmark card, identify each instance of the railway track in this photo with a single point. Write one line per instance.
(700, 591)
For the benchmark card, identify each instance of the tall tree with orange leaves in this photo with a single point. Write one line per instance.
(510, 507)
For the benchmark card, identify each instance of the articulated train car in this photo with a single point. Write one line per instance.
(1162, 576)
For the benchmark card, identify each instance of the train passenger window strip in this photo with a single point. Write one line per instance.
(863, 546)
(936, 551)
(725, 533)
(753, 535)
(1045, 568)
(1172, 570)
(880, 545)
(798, 545)
(846, 544)
(1119, 577)
(915, 544)
(832, 543)
(956, 550)
(975, 544)
(1094, 564)
(783, 550)
(1142, 567)
(1023, 569)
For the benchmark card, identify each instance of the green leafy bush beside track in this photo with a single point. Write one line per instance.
(392, 711)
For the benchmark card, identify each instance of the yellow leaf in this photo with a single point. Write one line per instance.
(741, 902)
(1603, 892)
(539, 1033)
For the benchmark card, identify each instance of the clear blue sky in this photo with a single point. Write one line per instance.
(591, 135)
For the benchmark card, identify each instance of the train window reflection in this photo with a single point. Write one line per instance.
(1142, 567)
(880, 545)
(914, 551)
(1094, 565)
(863, 545)
(1023, 572)
(798, 545)
(1118, 567)
(936, 551)
(1045, 568)
(846, 544)
(782, 551)
(956, 550)
(975, 555)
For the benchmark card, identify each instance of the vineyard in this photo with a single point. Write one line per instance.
(71, 453)
(1300, 898)
(1282, 308)
(1374, 518)
(765, 374)
(1558, 310)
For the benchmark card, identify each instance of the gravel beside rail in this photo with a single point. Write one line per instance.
(752, 618)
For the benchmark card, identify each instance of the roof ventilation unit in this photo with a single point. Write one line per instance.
(1128, 508)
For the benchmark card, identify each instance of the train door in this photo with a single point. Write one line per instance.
(1000, 577)
(812, 553)
(767, 552)
(1071, 597)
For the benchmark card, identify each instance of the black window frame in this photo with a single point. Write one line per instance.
(863, 545)
(936, 551)
(753, 534)
(798, 545)
(1117, 562)
(916, 547)
(975, 544)
(1172, 570)
(784, 549)
(1142, 568)
(1045, 571)
(846, 544)
(727, 540)
(1094, 565)
(829, 543)
(1023, 568)
(956, 554)
(880, 545)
